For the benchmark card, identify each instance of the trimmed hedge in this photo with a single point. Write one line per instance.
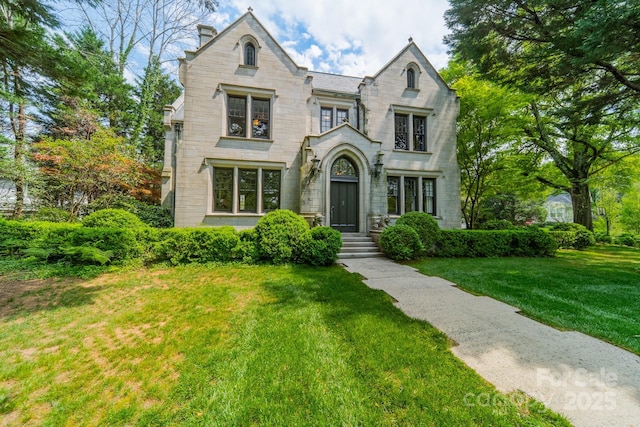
(113, 218)
(323, 246)
(530, 242)
(195, 245)
(426, 226)
(569, 235)
(281, 236)
(401, 242)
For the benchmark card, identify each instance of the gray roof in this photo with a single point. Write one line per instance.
(335, 82)
(559, 198)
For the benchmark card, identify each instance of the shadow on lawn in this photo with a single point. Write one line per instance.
(22, 297)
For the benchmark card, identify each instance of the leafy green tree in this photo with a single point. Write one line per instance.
(155, 90)
(93, 81)
(630, 212)
(490, 122)
(580, 59)
(79, 170)
(547, 45)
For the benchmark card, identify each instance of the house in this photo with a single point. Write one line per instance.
(255, 132)
(559, 207)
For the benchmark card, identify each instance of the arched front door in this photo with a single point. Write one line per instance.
(344, 195)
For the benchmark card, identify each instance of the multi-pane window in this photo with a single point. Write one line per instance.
(260, 117)
(429, 195)
(270, 190)
(330, 117)
(402, 131)
(260, 114)
(248, 193)
(409, 194)
(237, 120)
(411, 78)
(393, 194)
(244, 190)
(342, 116)
(419, 134)
(410, 125)
(326, 119)
(223, 189)
(249, 54)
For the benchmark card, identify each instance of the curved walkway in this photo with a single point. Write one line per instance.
(591, 382)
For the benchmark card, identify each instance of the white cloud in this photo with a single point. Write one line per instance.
(356, 37)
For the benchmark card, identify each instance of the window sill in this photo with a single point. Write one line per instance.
(250, 67)
(242, 138)
(397, 150)
(412, 89)
(237, 214)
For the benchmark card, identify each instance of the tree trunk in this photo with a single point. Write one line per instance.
(581, 201)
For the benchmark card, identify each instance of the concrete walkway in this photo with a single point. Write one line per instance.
(591, 382)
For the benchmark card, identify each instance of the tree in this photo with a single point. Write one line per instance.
(581, 61)
(490, 121)
(91, 77)
(544, 45)
(79, 170)
(154, 91)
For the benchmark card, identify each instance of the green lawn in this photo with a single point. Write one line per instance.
(232, 345)
(595, 291)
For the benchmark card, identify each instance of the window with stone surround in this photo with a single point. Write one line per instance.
(246, 189)
(410, 128)
(332, 116)
(411, 193)
(248, 116)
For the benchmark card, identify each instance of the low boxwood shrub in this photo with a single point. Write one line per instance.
(112, 218)
(529, 242)
(247, 249)
(195, 245)
(426, 226)
(569, 235)
(626, 239)
(153, 215)
(323, 246)
(16, 236)
(281, 236)
(401, 242)
(603, 238)
(81, 245)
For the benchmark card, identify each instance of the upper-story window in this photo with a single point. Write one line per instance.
(260, 117)
(411, 78)
(332, 116)
(250, 54)
(410, 125)
(412, 73)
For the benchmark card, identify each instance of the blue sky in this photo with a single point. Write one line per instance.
(354, 38)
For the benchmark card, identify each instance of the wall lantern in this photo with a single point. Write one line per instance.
(315, 165)
(378, 166)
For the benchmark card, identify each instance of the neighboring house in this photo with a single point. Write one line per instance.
(559, 208)
(254, 132)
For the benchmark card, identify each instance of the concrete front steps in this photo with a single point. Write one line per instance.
(358, 245)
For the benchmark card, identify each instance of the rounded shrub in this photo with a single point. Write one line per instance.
(401, 242)
(626, 239)
(112, 218)
(281, 236)
(323, 246)
(603, 238)
(496, 224)
(581, 237)
(426, 226)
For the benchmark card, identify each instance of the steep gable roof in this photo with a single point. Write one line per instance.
(410, 45)
(247, 16)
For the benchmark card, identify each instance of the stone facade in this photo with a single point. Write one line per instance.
(253, 132)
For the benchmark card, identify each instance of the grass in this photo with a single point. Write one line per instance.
(594, 291)
(232, 345)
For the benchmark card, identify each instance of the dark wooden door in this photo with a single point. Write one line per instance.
(344, 206)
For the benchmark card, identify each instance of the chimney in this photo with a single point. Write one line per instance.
(205, 33)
